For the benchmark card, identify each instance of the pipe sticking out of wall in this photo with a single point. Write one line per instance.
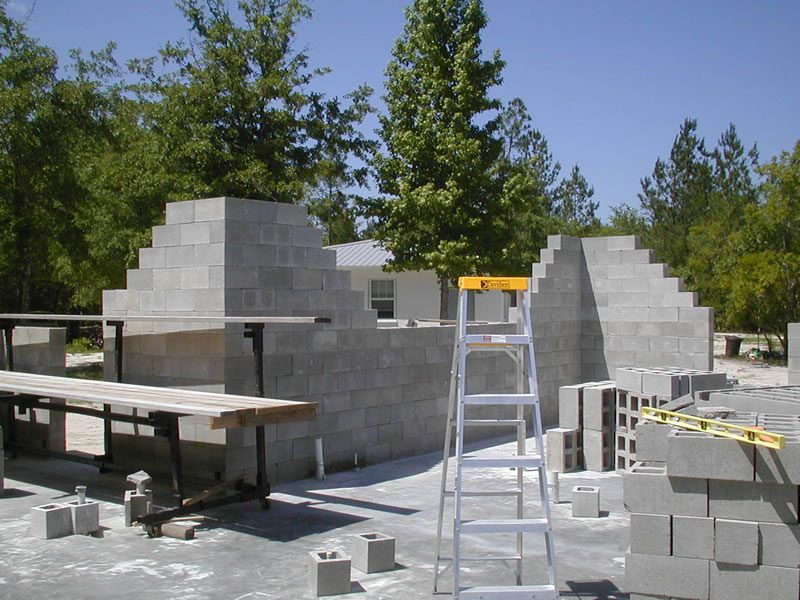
(320, 460)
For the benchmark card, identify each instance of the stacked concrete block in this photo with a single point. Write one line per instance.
(794, 353)
(638, 387)
(739, 524)
(783, 400)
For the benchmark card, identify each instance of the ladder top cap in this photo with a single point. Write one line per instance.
(493, 283)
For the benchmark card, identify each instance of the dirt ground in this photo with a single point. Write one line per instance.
(86, 433)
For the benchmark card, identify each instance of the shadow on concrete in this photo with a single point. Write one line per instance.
(599, 590)
(16, 493)
(331, 499)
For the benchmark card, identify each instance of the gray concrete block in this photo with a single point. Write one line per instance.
(651, 534)
(85, 517)
(651, 441)
(779, 466)
(599, 406)
(751, 501)
(598, 449)
(328, 572)
(50, 521)
(629, 379)
(570, 406)
(664, 383)
(737, 581)
(586, 501)
(779, 544)
(704, 456)
(373, 552)
(647, 489)
(562, 450)
(180, 212)
(166, 235)
(668, 576)
(736, 542)
(136, 505)
(693, 537)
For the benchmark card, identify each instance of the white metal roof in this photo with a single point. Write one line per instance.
(364, 253)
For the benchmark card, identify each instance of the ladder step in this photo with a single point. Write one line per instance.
(509, 592)
(532, 461)
(496, 339)
(500, 399)
(505, 526)
(487, 493)
(492, 422)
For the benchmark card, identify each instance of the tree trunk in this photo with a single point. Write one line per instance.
(444, 294)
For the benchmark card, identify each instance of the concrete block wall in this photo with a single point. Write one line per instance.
(653, 387)
(705, 525)
(380, 393)
(794, 353)
(40, 350)
(602, 303)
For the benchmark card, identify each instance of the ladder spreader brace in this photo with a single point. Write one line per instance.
(740, 433)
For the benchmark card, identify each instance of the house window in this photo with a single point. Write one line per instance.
(381, 297)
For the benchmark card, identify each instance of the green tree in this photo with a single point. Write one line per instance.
(760, 266)
(48, 125)
(438, 164)
(676, 196)
(574, 205)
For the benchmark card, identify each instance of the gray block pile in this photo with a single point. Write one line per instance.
(652, 387)
(585, 435)
(714, 518)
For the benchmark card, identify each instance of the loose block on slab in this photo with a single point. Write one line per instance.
(562, 450)
(373, 552)
(328, 572)
(51, 521)
(586, 501)
(136, 505)
(651, 534)
(85, 517)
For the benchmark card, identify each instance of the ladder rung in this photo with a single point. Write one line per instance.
(496, 339)
(505, 526)
(492, 422)
(482, 558)
(500, 399)
(509, 592)
(490, 493)
(530, 461)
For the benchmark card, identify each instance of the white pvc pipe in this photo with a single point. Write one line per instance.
(552, 484)
(320, 461)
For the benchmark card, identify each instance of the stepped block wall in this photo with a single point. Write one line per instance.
(602, 303)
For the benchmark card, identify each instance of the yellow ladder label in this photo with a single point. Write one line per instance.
(749, 435)
(493, 283)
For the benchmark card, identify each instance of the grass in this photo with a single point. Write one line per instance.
(82, 345)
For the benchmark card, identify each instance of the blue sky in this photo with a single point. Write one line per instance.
(607, 82)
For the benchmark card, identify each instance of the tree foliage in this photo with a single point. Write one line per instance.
(438, 165)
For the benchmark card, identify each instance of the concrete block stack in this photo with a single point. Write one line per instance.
(794, 353)
(585, 435)
(652, 387)
(716, 519)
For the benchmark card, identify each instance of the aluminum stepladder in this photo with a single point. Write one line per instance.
(513, 345)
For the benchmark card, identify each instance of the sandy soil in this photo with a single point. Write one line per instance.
(86, 433)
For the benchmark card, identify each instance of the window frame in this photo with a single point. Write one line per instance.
(371, 299)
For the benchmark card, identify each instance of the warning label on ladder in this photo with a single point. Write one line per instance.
(493, 283)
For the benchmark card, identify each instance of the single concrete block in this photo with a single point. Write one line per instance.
(779, 466)
(51, 521)
(651, 534)
(598, 449)
(665, 384)
(693, 537)
(85, 516)
(736, 542)
(328, 572)
(647, 489)
(629, 379)
(704, 456)
(570, 406)
(651, 441)
(373, 552)
(780, 544)
(667, 576)
(586, 501)
(599, 406)
(751, 501)
(136, 505)
(562, 450)
(736, 581)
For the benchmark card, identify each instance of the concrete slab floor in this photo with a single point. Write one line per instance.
(243, 552)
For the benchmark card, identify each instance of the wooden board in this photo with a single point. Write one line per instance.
(225, 410)
(162, 318)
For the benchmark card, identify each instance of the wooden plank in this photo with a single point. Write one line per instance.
(163, 318)
(231, 408)
(300, 413)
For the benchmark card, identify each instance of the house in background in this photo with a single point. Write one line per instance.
(407, 294)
